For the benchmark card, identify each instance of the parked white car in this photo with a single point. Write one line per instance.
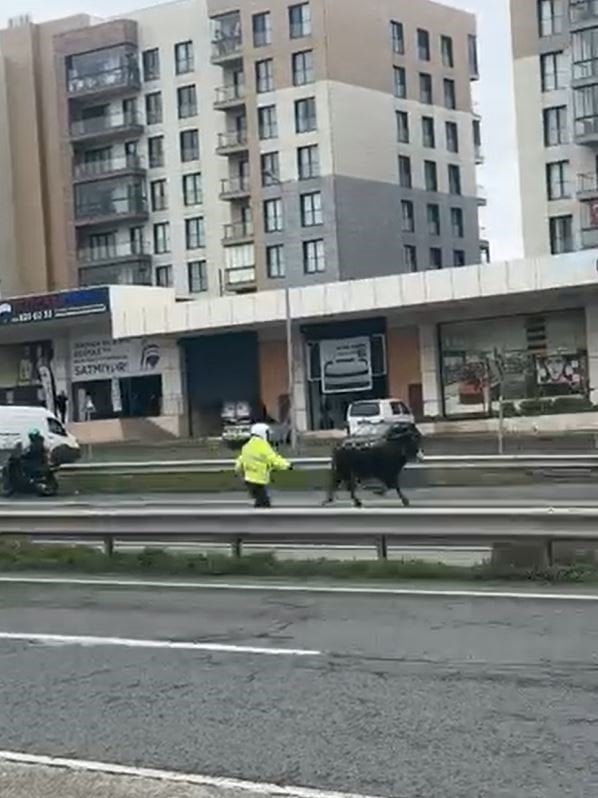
(365, 417)
(17, 421)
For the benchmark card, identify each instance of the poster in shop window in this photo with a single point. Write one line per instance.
(346, 365)
(101, 358)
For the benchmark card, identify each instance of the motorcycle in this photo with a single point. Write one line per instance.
(16, 480)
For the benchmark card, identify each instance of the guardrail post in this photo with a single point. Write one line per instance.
(108, 545)
(237, 548)
(382, 547)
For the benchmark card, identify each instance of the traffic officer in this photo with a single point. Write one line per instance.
(256, 463)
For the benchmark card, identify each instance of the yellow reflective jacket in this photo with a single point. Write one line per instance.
(257, 460)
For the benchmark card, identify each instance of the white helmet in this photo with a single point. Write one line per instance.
(260, 431)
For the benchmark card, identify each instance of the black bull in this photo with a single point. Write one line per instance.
(380, 457)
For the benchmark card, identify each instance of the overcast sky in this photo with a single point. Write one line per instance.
(495, 91)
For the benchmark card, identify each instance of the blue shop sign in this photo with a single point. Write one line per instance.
(54, 307)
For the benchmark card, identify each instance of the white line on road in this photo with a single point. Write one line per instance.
(86, 640)
(256, 788)
(266, 588)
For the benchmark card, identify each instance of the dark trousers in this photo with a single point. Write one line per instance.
(259, 494)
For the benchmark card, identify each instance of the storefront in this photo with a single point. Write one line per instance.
(542, 358)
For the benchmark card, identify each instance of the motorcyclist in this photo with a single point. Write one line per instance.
(256, 463)
(35, 457)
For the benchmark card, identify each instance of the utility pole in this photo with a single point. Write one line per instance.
(290, 369)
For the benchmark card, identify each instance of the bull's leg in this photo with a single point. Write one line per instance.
(333, 486)
(351, 486)
(404, 500)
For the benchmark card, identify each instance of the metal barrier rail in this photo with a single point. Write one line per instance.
(313, 527)
(538, 462)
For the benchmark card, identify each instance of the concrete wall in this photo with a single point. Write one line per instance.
(404, 360)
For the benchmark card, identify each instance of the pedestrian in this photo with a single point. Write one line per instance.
(62, 405)
(256, 463)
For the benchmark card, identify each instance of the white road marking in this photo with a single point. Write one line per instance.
(256, 788)
(87, 640)
(266, 588)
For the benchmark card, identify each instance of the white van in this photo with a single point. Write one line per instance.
(16, 423)
(363, 418)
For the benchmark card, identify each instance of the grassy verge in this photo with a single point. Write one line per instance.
(19, 555)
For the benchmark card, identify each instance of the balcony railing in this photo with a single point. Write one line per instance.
(481, 195)
(109, 80)
(107, 167)
(479, 154)
(234, 186)
(108, 208)
(225, 95)
(226, 46)
(587, 183)
(127, 274)
(240, 277)
(238, 231)
(582, 11)
(112, 253)
(232, 140)
(100, 125)
(586, 129)
(585, 70)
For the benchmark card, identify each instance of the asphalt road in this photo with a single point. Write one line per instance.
(396, 696)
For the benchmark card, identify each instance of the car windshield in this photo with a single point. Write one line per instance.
(367, 409)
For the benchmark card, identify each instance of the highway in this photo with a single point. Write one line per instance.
(398, 696)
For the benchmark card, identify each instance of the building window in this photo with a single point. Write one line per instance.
(472, 55)
(454, 178)
(151, 64)
(189, 142)
(192, 190)
(557, 180)
(550, 17)
(561, 234)
(303, 68)
(273, 218)
(452, 137)
(476, 129)
(197, 276)
(164, 276)
(407, 217)
(428, 134)
(402, 126)
(300, 20)
(457, 222)
(553, 71)
(435, 258)
(270, 169)
(161, 238)
(400, 82)
(137, 241)
(308, 162)
(314, 260)
(450, 94)
(267, 122)
(155, 147)
(430, 176)
(410, 257)
(458, 257)
(446, 49)
(187, 101)
(183, 57)
(159, 195)
(305, 115)
(433, 216)
(426, 95)
(262, 29)
(405, 179)
(195, 236)
(423, 44)
(398, 37)
(311, 209)
(556, 126)
(275, 261)
(153, 108)
(264, 75)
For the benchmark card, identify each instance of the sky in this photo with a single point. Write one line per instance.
(499, 176)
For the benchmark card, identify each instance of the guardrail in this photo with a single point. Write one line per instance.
(314, 527)
(515, 461)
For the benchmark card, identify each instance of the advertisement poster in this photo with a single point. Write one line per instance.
(100, 358)
(560, 370)
(346, 365)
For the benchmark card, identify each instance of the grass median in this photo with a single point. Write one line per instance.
(18, 554)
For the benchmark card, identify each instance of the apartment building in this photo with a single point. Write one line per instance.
(220, 146)
(555, 50)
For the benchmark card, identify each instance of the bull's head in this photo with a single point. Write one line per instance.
(407, 437)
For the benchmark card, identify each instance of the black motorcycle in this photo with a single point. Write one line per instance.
(17, 479)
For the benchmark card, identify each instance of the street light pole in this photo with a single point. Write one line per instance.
(290, 370)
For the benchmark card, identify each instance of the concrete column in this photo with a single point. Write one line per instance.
(431, 385)
(299, 381)
(172, 378)
(592, 344)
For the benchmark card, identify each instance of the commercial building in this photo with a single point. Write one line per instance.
(220, 146)
(555, 49)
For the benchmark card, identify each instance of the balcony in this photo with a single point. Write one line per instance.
(104, 169)
(114, 254)
(231, 142)
(586, 130)
(231, 96)
(109, 82)
(234, 188)
(241, 279)
(111, 126)
(481, 196)
(583, 14)
(589, 237)
(227, 48)
(106, 210)
(584, 73)
(129, 274)
(587, 186)
(237, 233)
(478, 154)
